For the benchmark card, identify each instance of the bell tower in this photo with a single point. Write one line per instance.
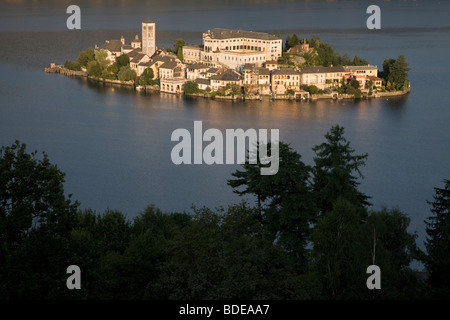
(148, 38)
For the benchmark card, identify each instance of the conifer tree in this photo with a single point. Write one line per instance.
(437, 244)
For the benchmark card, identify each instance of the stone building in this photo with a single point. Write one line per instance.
(234, 48)
(284, 79)
(322, 77)
(148, 38)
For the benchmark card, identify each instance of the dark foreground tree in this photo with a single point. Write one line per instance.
(392, 248)
(339, 255)
(334, 172)
(437, 244)
(288, 208)
(227, 255)
(35, 223)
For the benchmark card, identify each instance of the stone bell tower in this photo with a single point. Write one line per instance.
(148, 38)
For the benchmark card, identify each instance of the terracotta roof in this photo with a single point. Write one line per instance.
(138, 57)
(203, 81)
(163, 58)
(200, 46)
(213, 70)
(169, 65)
(226, 76)
(248, 66)
(320, 69)
(219, 33)
(263, 71)
(197, 65)
(146, 64)
(112, 45)
(285, 71)
(352, 68)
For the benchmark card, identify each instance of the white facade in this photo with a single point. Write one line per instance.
(235, 59)
(172, 85)
(216, 40)
(191, 54)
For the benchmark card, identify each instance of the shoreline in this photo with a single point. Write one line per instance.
(155, 88)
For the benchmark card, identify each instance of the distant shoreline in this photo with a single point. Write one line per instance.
(155, 88)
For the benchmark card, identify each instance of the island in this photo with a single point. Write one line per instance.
(238, 64)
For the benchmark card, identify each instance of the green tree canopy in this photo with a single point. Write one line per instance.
(101, 56)
(393, 248)
(123, 60)
(357, 61)
(338, 254)
(226, 255)
(36, 218)
(334, 171)
(398, 72)
(354, 84)
(289, 208)
(72, 65)
(86, 56)
(190, 87)
(126, 74)
(179, 43)
(94, 69)
(146, 77)
(437, 244)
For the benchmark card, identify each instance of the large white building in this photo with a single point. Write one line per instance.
(148, 38)
(235, 48)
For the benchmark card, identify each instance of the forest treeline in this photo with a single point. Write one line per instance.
(311, 234)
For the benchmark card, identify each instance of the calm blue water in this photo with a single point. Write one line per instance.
(114, 145)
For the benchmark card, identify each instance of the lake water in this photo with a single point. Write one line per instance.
(114, 144)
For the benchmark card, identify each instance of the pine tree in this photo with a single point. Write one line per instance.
(437, 244)
(398, 71)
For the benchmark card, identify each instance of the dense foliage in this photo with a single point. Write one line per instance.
(321, 53)
(310, 235)
(395, 73)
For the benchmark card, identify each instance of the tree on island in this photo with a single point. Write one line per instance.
(190, 87)
(354, 83)
(123, 60)
(396, 72)
(94, 69)
(86, 56)
(292, 41)
(101, 56)
(72, 65)
(146, 77)
(126, 74)
(357, 61)
(321, 53)
(179, 43)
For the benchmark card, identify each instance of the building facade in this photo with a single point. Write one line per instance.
(322, 77)
(241, 41)
(284, 79)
